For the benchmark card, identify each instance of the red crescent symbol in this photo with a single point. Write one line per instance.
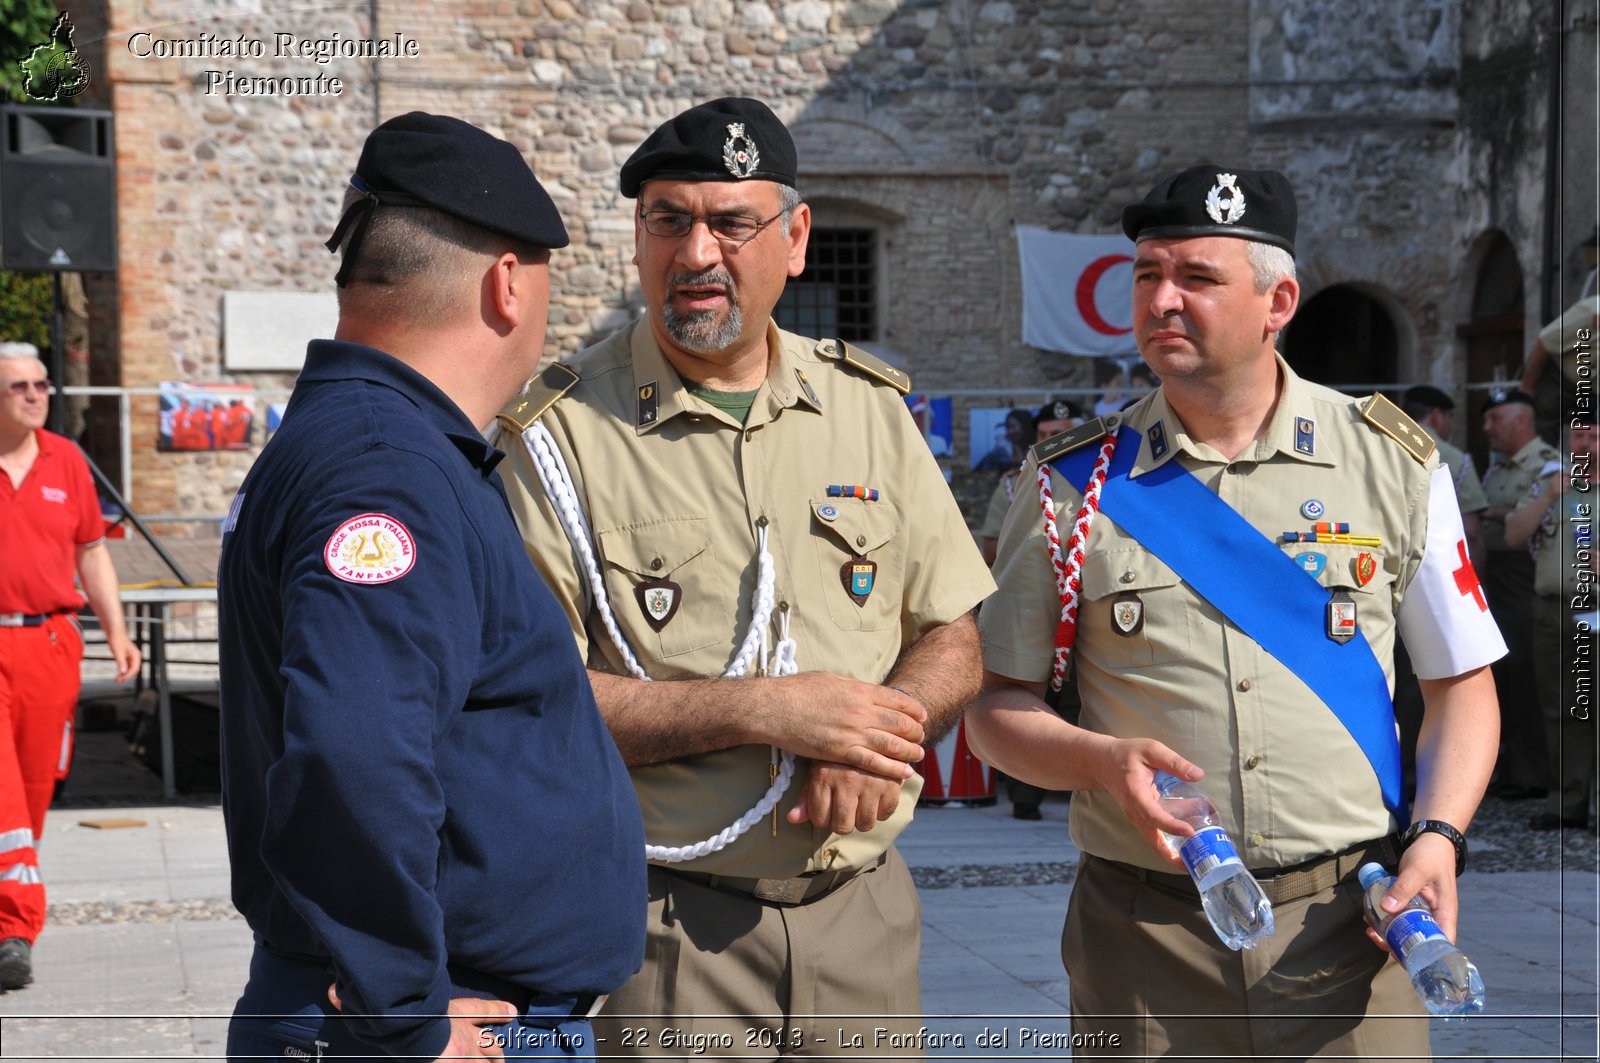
(1086, 286)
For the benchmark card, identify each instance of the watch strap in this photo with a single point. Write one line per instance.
(1438, 826)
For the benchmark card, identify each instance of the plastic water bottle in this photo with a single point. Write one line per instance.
(1444, 978)
(1233, 900)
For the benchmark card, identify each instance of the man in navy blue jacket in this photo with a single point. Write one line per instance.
(431, 833)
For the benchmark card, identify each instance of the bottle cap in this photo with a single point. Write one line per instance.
(1370, 873)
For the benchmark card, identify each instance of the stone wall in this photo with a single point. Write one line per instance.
(943, 121)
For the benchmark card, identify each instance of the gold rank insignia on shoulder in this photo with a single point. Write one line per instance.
(538, 396)
(1070, 440)
(1392, 421)
(870, 364)
(649, 397)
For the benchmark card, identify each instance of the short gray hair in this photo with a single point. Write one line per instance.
(1269, 263)
(19, 351)
(788, 199)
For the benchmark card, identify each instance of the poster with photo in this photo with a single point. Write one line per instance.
(999, 437)
(933, 418)
(205, 417)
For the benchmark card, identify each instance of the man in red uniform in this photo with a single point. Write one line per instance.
(50, 524)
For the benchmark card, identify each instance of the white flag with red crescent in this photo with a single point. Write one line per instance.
(1077, 292)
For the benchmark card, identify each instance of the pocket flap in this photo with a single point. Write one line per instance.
(860, 527)
(655, 548)
(1107, 572)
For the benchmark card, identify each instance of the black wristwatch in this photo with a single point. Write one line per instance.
(1437, 826)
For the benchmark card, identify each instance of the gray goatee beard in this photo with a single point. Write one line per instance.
(702, 331)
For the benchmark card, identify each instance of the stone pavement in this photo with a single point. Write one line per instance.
(144, 957)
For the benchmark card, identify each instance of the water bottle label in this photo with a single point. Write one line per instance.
(1410, 929)
(1208, 850)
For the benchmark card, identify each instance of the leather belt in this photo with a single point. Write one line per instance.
(791, 891)
(1285, 884)
(28, 619)
(528, 1002)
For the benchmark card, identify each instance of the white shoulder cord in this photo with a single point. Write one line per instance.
(557, 481)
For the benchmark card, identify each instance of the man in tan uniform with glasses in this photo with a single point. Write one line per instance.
(773, 585)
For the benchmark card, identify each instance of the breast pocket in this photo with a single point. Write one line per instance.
(1134, 609)
(660, 576)
(860, 560)
(1367, 574)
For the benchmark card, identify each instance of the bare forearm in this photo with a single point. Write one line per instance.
(813, 714)
(99, 578)
(943, 670)
(1456, 746)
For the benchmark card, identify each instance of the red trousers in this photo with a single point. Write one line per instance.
(39, 679)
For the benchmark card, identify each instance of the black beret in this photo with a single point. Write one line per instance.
(1211, 201)
(1505, 397)
(1428, 397)
(731, 139)
(431, 160)
(1056, 410)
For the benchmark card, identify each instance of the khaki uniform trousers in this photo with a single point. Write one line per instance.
(728, 975)
(1569, 727)
(1148, 977)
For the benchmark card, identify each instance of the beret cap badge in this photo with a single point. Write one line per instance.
(741, 161)
(1225, 211)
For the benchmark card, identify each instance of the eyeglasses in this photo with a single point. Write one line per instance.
(22, 387)
(729, 228)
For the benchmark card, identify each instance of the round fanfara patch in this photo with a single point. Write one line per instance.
(371, 548)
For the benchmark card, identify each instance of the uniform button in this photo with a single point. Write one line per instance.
(1251, 762)
(1127, 577)
(749, 435)
(1245, 685)
(783, 606)
(761, 521)
(655, 564)
(861, 540)
(1257, 838)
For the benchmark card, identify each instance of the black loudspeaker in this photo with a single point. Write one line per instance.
(57, 190)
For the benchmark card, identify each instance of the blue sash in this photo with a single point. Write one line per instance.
(1280, 606)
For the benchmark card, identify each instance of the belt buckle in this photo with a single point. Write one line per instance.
(12, 619)
(599, 1002)
(781, 890)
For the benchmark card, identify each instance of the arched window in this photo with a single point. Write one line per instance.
(1342, 335)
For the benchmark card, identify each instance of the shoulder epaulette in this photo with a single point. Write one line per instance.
(872, 365)
(540, 394)
(1073, 438)
(1392, 421)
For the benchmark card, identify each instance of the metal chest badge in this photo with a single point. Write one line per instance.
(858, 575)
(1340, 616)
(1127, 614)
(1365, 568)
(739, 153)
(659, 598)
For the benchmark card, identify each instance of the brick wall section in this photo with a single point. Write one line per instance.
(948, 122)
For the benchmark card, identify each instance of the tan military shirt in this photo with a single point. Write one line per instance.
(1570, 337)
(1463, 474)
(1507, 480)
(674, 489)
(1287, 777)
(994, 518)
(1563, 547)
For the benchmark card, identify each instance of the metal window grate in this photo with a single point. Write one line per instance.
(837, 295)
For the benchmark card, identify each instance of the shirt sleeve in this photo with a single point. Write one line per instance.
(376, 673)
(1018, 623)
(945, 573)
(91, 523)
(1444, 617)
(1469, 489)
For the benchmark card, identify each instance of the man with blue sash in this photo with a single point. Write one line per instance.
(1229, 561)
